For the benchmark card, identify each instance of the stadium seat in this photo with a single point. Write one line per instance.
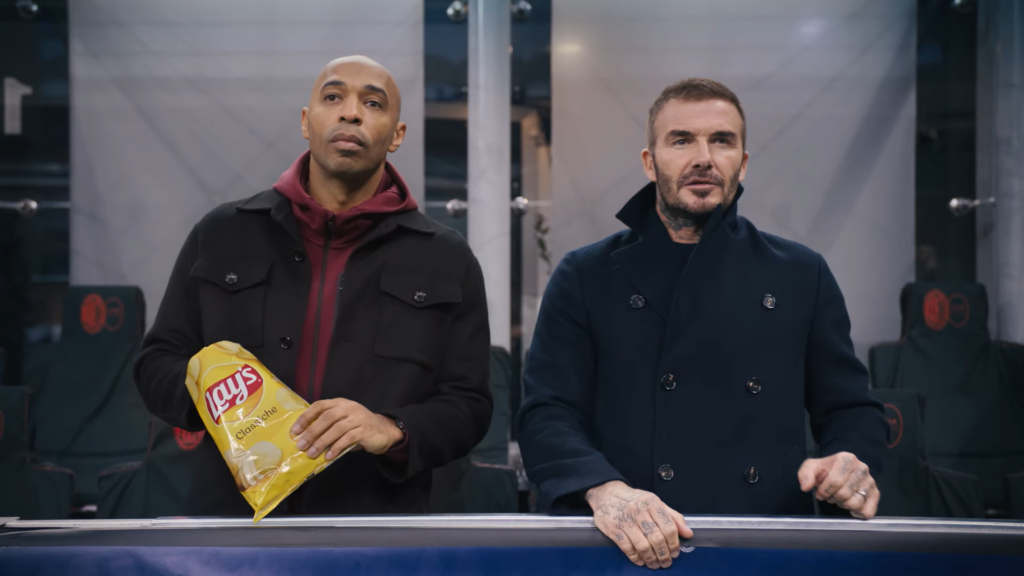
(88, 413)
(483, 482)
(909, 484)
(179, 476)
(974, 385)
(27, 490)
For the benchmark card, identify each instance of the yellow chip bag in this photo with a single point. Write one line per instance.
(249, 413)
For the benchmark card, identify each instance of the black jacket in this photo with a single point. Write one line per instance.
(643, 372)
(425, 362)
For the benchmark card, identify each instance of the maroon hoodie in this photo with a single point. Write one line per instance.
(330, 238)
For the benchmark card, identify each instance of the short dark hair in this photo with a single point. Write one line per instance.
(694, 90)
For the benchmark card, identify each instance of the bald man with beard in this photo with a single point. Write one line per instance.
(337, 283)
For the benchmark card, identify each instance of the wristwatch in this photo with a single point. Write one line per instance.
(401, 426)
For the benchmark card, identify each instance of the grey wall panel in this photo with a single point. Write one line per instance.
(180, 105)
(828, 89)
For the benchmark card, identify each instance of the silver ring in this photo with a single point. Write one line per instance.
(863, 493)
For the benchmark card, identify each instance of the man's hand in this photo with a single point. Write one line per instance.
(639, 523)
(843, 480)
(337, 424)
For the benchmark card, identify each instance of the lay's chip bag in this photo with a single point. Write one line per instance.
(249, 413)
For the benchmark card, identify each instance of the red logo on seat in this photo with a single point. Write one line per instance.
(188, 440)
(97, 314)
(936, 309)
(959, 310)
(895, 419)
(93, 314)
(115, 314)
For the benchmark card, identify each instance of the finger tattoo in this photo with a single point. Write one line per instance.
(846, 466)
(647, 527)
(664, 516)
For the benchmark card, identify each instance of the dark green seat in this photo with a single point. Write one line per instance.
(27, 490)
(483, 481)
(974, 385)
(910, 485)
(88, 413)
(182, 474)
(1015, 487)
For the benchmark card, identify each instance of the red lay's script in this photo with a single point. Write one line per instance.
(233, 391)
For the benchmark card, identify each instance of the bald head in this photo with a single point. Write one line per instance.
(338, 68)
(352, 121)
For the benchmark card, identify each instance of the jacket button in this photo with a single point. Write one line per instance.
(753, 385)
(666, 472)
(299, 255)
(668, 382)
(285, 342)
(768, 301)
(637, 301)
(231, 278)
(420, 297)
(751, 475)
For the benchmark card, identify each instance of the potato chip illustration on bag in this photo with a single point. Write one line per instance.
(249, 413)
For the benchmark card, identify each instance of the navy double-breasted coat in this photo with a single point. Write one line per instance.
(691, 381)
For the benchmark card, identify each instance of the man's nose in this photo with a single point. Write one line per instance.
(703, 158)
(350, 112)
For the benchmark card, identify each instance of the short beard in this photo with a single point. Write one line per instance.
(677, 216)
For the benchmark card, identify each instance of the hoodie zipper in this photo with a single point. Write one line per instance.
(310, 386)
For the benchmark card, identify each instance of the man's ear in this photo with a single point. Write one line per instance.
(305, 122)
(648, 158)
(743, 166)
(398, 138)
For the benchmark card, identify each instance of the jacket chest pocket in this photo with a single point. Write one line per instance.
(231, 295)
(415, 317)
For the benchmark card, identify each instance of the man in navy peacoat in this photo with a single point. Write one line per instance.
(673, 362)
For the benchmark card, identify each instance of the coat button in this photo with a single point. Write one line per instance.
(420, 297)
(753, 385)
(231, 278)
(668, 382)
(285, 342)
(299, 255)
(666, 472)
(751, 475)
(637, 301)
(768, 301)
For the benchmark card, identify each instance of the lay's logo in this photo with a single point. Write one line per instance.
(242, 390)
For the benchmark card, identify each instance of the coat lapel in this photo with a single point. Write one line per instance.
(649, 261)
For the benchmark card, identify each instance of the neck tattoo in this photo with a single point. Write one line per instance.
(680, 226)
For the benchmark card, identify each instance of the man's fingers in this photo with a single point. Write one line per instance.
(643, 546)
(847, 495)
(615, 534)
(318, 428)
(343, 444)
(308, 415)
(838, 476)
(808, 474)
(329, 436)
(869, 508)
(659, 544)
(668, 528)
(626, 545)
(680, 521)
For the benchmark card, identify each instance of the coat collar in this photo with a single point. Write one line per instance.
(279, 208)
(636, 212)
(644, 257)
